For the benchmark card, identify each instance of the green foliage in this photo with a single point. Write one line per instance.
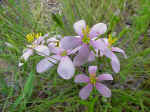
(23, 90)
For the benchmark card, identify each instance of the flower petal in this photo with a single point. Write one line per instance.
(66, 68)
(105, 77)
(42, 50)
(92, 69)
(70, 42)
(52, 40)
(98, 29)
(115, 63)
(56, 50)
(106, 41)
(82, 56)
(45, 64)
(99, 44)
(101, 54)
(91, 56)
(85, 91)
(81, 78)
(79, 26)
(104, 50)
(26, 54)
(116, 49)
(106, 92)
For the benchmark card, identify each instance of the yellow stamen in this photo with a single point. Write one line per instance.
(57, 44)
(64, 53)
(86, 32)
(86, 40)
(32, 36)
(111, 40)
(37, 35)
(93, 78)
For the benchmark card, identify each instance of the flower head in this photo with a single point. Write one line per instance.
(109, 41)
(32, 36)
(93, 81)
(36, 45)
(65, 68)
(85, 39)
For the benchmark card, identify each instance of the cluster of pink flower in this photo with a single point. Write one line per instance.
(87, 45)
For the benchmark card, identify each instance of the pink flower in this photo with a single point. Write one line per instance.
(37, 46)
(93, 81)
(65, 68)
(109, 43)
(114, 60)
(85, 39)
(115, 63)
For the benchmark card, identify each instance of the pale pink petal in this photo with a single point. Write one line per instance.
(101, 53)
(98, 29)
(42, 50)
(85, 91)
(51, 45)
(106, 92)
(26, 54)
(66, 68)
(105, 77)
(43, 42)
(91, 56)
(56, 50)
(82, 56)
(81, 78)
(116, 49)
(106, 41)
(79, 26)
(99, 44)
(52, 40)
(104, 50)
(92, 69)
(45, 64)
(115, 63)
(70, 42)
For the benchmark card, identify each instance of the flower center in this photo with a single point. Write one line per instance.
(93, 79)
(64, 53)
(32, 36)
(111, 40)
(57, 44)
(85, 38)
